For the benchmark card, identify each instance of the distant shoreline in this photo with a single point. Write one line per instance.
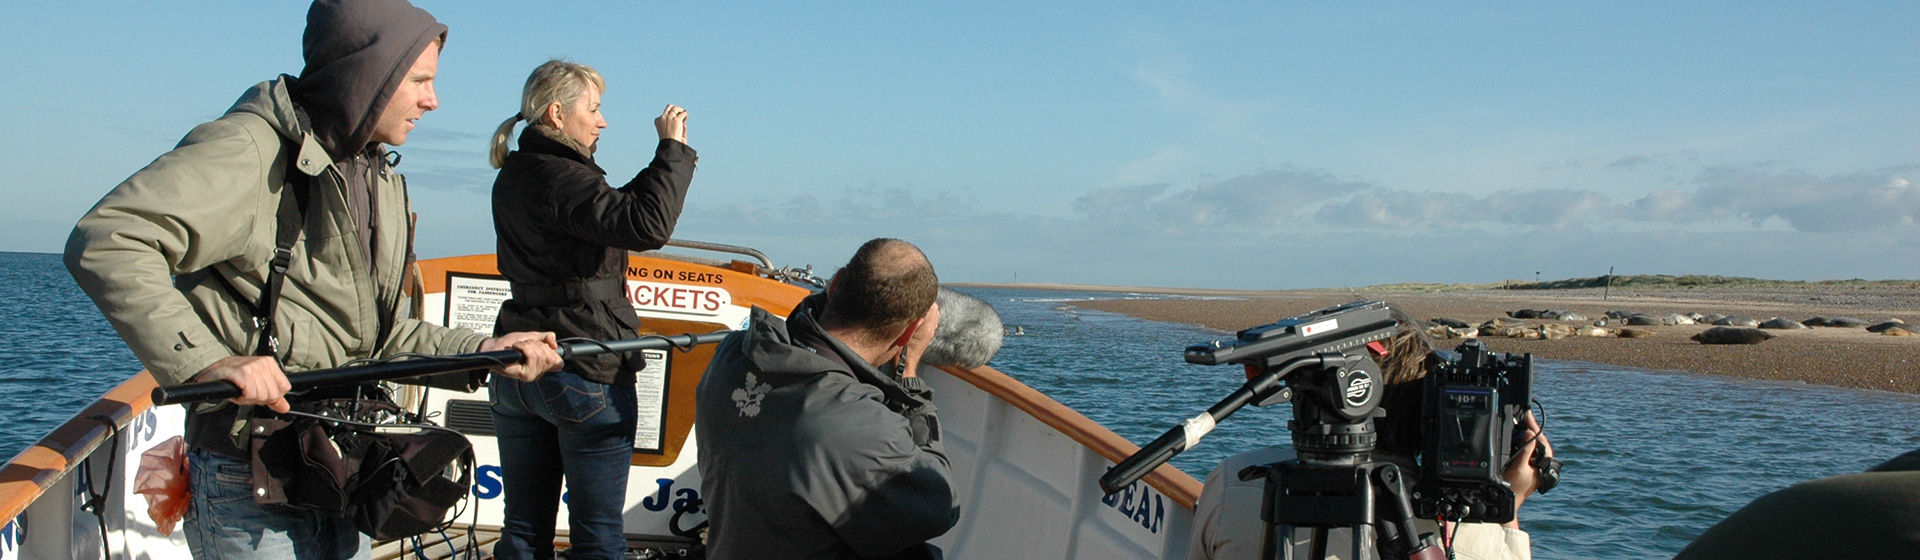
(1839, 357)
(1115, 289)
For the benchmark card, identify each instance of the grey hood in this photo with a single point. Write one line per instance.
(357, 52)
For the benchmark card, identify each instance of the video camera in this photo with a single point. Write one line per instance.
(1469, 429)
(1326, 359)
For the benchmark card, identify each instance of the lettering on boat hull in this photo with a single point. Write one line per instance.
(659, 500)
(1140, 504)
(704, 301)
(487, 485)
(11, 537)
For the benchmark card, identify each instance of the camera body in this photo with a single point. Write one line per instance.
(1470, 429)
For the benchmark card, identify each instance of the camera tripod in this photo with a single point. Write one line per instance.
(1326, 503)
(1317, 509)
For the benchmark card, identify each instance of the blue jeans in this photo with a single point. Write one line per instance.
(563, 425)
(223, 522)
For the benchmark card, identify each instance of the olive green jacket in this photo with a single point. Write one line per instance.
(148, 252)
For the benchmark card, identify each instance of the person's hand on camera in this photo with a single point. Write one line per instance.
(922, 336)
(672, 124)
(259, 378)
(538, 347)
(1521, 471)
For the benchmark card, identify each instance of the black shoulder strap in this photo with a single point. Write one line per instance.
(291, 219)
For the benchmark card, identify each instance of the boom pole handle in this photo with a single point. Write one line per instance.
(215, 390)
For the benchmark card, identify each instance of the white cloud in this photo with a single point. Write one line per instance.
(1851, 202)
(1399, 210)
(1261, 201)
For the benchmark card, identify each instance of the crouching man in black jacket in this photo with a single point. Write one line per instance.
(809, 447)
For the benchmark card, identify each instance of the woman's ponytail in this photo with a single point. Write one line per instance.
(497, 153)
(556, 81)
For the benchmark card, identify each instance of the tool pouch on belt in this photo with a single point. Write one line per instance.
(393, 476)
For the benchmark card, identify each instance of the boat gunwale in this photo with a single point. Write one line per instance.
(1177, 485)
(28, 475)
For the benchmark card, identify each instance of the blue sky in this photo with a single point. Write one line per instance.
(1224, 145)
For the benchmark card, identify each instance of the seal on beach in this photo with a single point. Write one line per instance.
(1737, 321)
(1778, 323)
(1524, 314)
(1711, 319)
(1594, 332)
(1882, 326)
(1844, 322)
(1443, 331)
(1642, 320)
(1449, 322)
(1676, 319)
(1732, 335)
(1635, 333)
(1499, 323)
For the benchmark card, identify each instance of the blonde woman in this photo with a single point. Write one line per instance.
(563, 235)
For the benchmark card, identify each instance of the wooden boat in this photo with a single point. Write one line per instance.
(1025, 466)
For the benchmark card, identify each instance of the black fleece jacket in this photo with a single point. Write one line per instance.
(558, 223)
(809, 452)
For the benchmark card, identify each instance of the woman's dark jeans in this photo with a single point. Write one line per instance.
(565, 425)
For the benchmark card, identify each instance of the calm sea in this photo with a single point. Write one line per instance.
(1652, 458)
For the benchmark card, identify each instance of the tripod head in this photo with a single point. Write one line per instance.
(1334, 401)
(1325, 359)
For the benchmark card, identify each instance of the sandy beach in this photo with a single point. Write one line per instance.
(1845, 357)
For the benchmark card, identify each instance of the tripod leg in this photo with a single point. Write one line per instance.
(1288, 542)
(1401, 517)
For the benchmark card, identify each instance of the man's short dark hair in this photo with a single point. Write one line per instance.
(888, 284)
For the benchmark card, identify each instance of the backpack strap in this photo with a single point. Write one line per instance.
(291, 219)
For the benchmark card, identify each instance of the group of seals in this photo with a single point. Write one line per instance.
(1727, 330)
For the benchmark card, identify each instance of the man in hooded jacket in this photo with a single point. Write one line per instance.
(816, 439)
(177, 258)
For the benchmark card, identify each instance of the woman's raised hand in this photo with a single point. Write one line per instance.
(672, 124)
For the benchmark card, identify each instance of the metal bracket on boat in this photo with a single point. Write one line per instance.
(723, 248)
(802, 277)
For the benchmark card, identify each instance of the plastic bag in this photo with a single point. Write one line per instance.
(163, 479)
